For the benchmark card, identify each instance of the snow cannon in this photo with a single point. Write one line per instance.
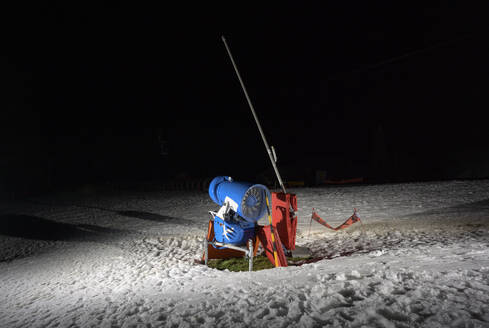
(242, 205)
(234, 229)
(246, 199)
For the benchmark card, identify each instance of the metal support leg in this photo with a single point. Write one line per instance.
(250, 255)
(206, 250)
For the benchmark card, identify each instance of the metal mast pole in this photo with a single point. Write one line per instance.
(270, 154)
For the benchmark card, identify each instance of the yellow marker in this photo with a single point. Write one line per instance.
(271, 232)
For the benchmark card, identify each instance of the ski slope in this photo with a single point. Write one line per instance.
(105, 258)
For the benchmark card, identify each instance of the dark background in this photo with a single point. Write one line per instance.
(117, 92)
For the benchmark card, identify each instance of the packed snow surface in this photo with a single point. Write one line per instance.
(105, 258)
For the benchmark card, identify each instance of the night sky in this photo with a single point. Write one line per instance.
(381, 90)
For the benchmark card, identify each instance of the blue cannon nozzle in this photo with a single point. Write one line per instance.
(250, 198)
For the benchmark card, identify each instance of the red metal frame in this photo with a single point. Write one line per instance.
(285, 221)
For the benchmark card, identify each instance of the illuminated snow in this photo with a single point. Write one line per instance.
(420, 259)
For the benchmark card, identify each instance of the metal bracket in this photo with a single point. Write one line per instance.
(274, 154)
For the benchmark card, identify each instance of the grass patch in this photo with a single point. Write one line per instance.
(237, 264)
(240, 264)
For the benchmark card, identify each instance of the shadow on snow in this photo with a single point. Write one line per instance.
(153, 217)
(473, 207)
(37, 228)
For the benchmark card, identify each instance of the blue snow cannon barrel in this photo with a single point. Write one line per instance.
(250, 198)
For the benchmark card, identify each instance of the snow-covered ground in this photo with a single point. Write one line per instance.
(126, 259)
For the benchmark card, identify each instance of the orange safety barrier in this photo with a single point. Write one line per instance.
(352, 219)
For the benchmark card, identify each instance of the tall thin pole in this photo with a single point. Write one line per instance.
(270, 154)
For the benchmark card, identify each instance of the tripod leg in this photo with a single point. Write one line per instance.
(250, 254)
(206, 251)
